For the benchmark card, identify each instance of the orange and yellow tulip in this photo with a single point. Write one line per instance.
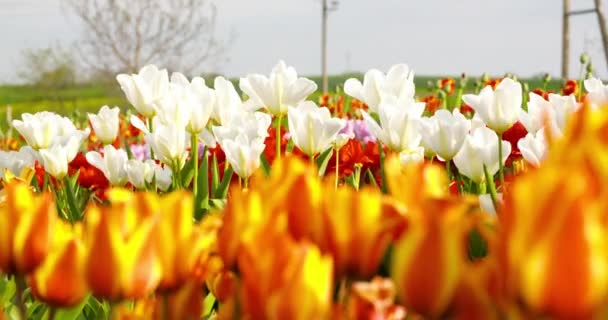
(26, 226)
(555, 251)
(60, 281)
(123, 262)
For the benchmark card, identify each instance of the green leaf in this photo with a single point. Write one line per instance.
(72, 313)
(222, 190)
(7, 290)
(370, 177)
(265, 164)
(201, 205)
(215, 175)
(217, 203)
(208, 304)
(323, 160)
(187, 173)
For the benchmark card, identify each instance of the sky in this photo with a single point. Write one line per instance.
(434, 37)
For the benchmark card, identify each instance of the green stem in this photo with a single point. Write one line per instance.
(194, 149)
(448, 169)
(501, 167)
(312, 160)
(278, 137)
(383, 185)
(245, 183)
(580, 82)
(20, 288)
(52, 313)
(337, 166)
(491, 186)
(151, 129)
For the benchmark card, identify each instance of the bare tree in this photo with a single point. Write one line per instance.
(124, 35)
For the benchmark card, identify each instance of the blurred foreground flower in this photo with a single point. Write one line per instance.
(26, 226)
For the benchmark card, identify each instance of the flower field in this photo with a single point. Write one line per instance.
(471, 202)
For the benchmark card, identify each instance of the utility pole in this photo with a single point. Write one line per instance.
(326, 7)
(601, 18)
(325, 13)
(565, 40)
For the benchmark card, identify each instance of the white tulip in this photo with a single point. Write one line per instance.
(243, 153)
(407, 157)
(533, 147)
(445, 132)
(43, 129)
(163, 176)
(282, 89)
(597, 93)
(16, 161)
(113, 164)
(342, 139)
(312, 129)
(479, 149)
(397, 83)
(58, 156)
(169, 144)
(563, 107)
(540, 112)
(140, 172)
(145, 89)
(399, 124)
(499, 108)
(227, 101)
(106, 124)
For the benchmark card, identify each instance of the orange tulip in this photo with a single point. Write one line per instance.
(555, 239)
(123, 262)
(429, 258)
(60, 281)
(26, 226)
(189, 246)
(281, 279)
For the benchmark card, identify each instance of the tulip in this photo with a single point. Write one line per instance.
(282, 89)
(169, 144)
(374, 300)
(60, 281)
(412, 156)
(113, 164)
(444, 133)
(227, 100)
(563, 108)
(540, 112)
(243, 154)
(145, 89)
(312, 129)
(533, 147)
(163, 176)
(397, 84)
(26, 226)
(105, 124)
(429, 259)
(479, 149)
(57, 157)
(399, 124)
(17, 161)
(189, 243)
(122, 261)
(140, 172)
(499, 109)
(44, 129)
(597, 93)
(554, 237)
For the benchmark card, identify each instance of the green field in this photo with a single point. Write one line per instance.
(89, 98)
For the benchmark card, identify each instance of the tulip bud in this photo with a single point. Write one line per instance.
(26, 225)
(589, 67)
(584, 58)
(547, 77)
(429, 258)
(105, 124)
(60, 281)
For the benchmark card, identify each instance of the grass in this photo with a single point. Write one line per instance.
(85, 98)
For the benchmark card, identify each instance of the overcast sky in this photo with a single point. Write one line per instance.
(434, 37)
